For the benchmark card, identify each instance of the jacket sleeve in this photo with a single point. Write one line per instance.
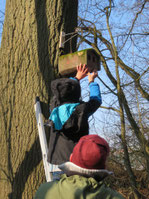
(95, 92)
(95, 99)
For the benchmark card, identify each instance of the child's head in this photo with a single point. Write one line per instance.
(66, 90)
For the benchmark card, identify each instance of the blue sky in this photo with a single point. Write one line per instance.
(2, 6)
(2, 9)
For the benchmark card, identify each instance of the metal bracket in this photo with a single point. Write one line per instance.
(62, 39)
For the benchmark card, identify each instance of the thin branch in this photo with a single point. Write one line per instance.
(135, 19)
(110, 108)
(107, 86)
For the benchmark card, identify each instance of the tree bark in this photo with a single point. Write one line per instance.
(28, 58)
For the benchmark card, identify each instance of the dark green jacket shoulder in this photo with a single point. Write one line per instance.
(76, 187)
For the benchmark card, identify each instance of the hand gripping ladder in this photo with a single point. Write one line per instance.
(43, 140)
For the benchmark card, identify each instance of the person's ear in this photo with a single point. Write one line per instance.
(70, 159)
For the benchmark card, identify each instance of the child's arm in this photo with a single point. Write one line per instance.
(94, 87)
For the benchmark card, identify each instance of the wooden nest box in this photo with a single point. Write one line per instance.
(67, 63)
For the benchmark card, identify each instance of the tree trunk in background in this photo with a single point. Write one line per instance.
(28, 61)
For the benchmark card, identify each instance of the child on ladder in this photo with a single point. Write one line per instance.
(69, 116)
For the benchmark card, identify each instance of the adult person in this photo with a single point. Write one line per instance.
(83, 173)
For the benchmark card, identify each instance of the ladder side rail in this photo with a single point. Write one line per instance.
(43, 140)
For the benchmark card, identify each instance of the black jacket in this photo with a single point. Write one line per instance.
(62, 142)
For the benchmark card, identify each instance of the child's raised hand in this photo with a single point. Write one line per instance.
(92, 76)
(82, 71)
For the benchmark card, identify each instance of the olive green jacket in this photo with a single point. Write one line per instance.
(76, 187)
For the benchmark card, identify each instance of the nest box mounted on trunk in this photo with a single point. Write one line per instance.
(67, 63)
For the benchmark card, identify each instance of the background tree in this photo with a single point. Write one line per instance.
(124, 74)
(28, 58)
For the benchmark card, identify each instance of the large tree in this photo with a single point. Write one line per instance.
(28, 62)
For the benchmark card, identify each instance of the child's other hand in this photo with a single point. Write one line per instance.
(92, 76)
(82, 71)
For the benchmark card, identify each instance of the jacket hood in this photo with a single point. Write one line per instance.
(66, 90)
(71, 169)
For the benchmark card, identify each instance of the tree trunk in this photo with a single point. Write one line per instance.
(28, 59)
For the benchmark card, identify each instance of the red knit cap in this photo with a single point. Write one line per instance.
(90, 152)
